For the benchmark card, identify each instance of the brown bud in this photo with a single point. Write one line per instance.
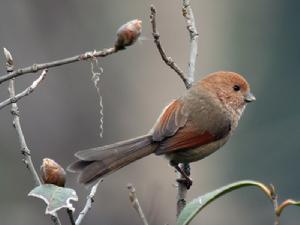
(128, 33)
(53, 173)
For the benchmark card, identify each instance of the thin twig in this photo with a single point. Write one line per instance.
(37, 67)
(17, 125)
(24, 148)
(71, 216)
(24, 93)
(274, 196)
(88, 204)
(168, 60)
(191, 27)
(16, 122)
(136, 204)
(182, 188)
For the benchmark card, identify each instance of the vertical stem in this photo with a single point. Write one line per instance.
(24, 148)
(191, 27)
(17, 125)
(136, 204)
(275, 204)
(182, 187)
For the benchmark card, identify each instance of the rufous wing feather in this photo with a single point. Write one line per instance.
(173, 117)
(185, 138)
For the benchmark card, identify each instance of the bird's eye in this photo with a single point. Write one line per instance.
(236, 87)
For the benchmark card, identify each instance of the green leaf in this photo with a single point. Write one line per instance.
(195, 206)
(55, 197)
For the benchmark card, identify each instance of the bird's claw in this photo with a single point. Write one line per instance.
(186, 181)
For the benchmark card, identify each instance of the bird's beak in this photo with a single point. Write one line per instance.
(249, 97)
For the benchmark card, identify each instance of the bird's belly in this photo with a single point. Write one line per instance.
(195, 154)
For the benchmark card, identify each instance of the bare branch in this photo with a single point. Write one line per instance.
(191, 27)
(274, 196)
(71, 216)
(168, 60)
(127, 35)
(17, 125)
(24, 93)
(37, 67)
(182, 187)
(136, 204)
(24, 148)
(88, 204)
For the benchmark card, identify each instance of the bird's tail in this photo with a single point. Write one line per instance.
(97, 162)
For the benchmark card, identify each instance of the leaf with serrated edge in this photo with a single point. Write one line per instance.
(55, 197)
(195, 206)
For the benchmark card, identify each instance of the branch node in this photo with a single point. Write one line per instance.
(19, 71)
(14, 111)
(156, 36)
(35, 68)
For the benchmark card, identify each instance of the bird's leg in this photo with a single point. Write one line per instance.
(185, 172)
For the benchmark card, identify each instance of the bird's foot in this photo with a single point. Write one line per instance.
(186, 181)
(185, 172)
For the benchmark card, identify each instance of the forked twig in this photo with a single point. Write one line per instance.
(17, 125)
(168, 60)
(24, 93)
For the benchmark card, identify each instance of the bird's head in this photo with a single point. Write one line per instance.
(230, 88)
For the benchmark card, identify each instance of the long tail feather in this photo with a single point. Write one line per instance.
(97, 162)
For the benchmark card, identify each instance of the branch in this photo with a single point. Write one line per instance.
(24, 93)
(168, 60)
(88, 204)
(37, 67)
(274, 196)
(71, 217)
(16, 122)
(191, 27)
(135, 203)
(182, 187)
(127, 35)
(17, 125)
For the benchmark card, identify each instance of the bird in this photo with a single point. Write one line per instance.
(189, 128)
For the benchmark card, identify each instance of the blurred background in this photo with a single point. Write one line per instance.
(258, 38)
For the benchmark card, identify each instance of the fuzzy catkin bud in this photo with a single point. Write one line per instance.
(128, 33)
(53, 173)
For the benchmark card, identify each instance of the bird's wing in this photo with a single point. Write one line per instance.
(185, 138)
(175, 131)
(173, 117)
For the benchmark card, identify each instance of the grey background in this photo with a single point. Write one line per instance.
(258, 38)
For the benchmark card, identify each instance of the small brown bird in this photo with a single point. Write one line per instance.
(189, 128)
